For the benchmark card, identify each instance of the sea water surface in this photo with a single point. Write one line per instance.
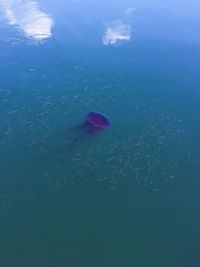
(130, 195)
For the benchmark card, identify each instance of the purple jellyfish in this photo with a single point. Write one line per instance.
(94, 123)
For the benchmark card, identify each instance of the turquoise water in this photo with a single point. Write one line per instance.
(128, 196)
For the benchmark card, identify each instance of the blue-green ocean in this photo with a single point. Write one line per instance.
(128, 196)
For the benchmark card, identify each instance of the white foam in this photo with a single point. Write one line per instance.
(117, 32)
(27, 17)
(129, 11)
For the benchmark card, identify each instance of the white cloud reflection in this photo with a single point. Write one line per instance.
(129, 11)
(117, 32)
(27, 16)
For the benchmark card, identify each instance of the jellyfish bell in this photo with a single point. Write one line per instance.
(94, 123)
(97, 120)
